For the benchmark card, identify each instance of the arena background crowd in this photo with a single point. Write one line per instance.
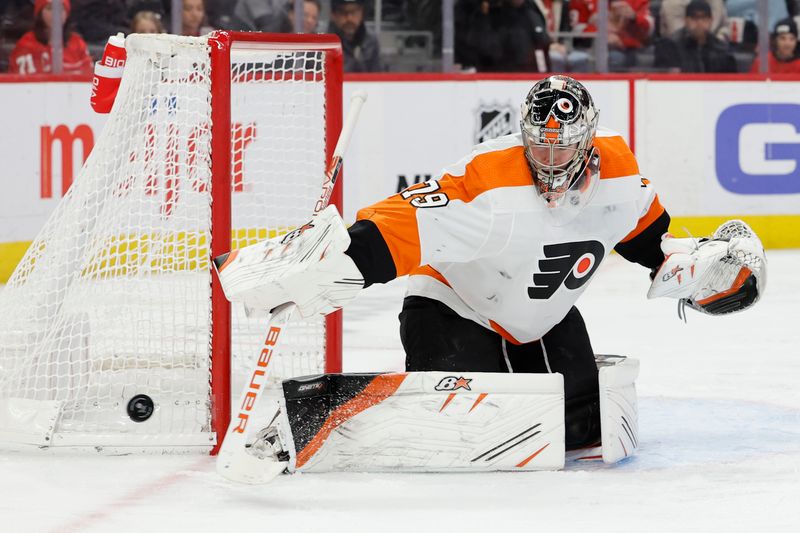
(669, 36)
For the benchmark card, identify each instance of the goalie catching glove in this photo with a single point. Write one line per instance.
(307, 267)
(724, 273)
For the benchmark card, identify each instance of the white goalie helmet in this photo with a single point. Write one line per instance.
(559, 120)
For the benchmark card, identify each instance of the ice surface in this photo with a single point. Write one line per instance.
(719, 425)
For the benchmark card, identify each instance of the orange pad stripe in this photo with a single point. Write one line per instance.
(481, 397)
(528, 459)
(228, 260)
(447, 401)
(378, 390)
(744, 273)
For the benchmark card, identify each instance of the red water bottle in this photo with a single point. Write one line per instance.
(108, 74)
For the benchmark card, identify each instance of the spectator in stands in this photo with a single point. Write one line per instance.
(630, 26)
(743, 16)
(361, 48)
(33, 52)
(694, 48)
(146, 22)
(99, 19)
(478, 44)
(162, 7)
(748, 10)
(193, 18)
(524, 37)
(672, 17)
(257, 15)
(557, 16)
(425, 15)
(311, 10)
(220, 13)
(15, 21)
(504, 36)
(582, 16)
(783, 57)
(580, 13)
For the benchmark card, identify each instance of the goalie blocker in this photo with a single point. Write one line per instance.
(307, 267)
(438, 421)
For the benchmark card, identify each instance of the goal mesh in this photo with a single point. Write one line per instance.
(113, 298)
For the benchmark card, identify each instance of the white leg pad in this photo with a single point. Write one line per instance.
(619, 413)
(441, 421)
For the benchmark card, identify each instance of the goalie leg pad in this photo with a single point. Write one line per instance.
(425, 421)
(619, 412)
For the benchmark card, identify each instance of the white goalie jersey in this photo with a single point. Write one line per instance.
(480, 240)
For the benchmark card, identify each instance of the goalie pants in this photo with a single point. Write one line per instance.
(436, 338)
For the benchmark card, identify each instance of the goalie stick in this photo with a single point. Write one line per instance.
(233, 461)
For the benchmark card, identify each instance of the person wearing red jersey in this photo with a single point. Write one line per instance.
(498, 249)
(630, 26)
(783, 53)
(33, 52)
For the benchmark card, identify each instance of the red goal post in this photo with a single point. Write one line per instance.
(222, 43)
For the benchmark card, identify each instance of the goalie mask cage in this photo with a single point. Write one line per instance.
(114, 334)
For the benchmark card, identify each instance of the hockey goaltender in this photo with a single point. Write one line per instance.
(501, 374)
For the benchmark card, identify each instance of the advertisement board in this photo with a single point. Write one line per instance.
(721, 148)
(714, 149)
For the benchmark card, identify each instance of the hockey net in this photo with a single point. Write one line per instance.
(113, 331)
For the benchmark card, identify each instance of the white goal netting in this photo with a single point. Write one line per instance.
(113, 299)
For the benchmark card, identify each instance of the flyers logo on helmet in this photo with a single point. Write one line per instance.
(564, 105)
(561, 105)
(570, 263)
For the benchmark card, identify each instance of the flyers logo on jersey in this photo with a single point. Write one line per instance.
(571, 263)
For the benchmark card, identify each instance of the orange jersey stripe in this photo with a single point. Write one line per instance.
(379, 389)
(397, 222)
(396, 218)
(503, 333)
(655, 211)
(616, 159)
(427, 270)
